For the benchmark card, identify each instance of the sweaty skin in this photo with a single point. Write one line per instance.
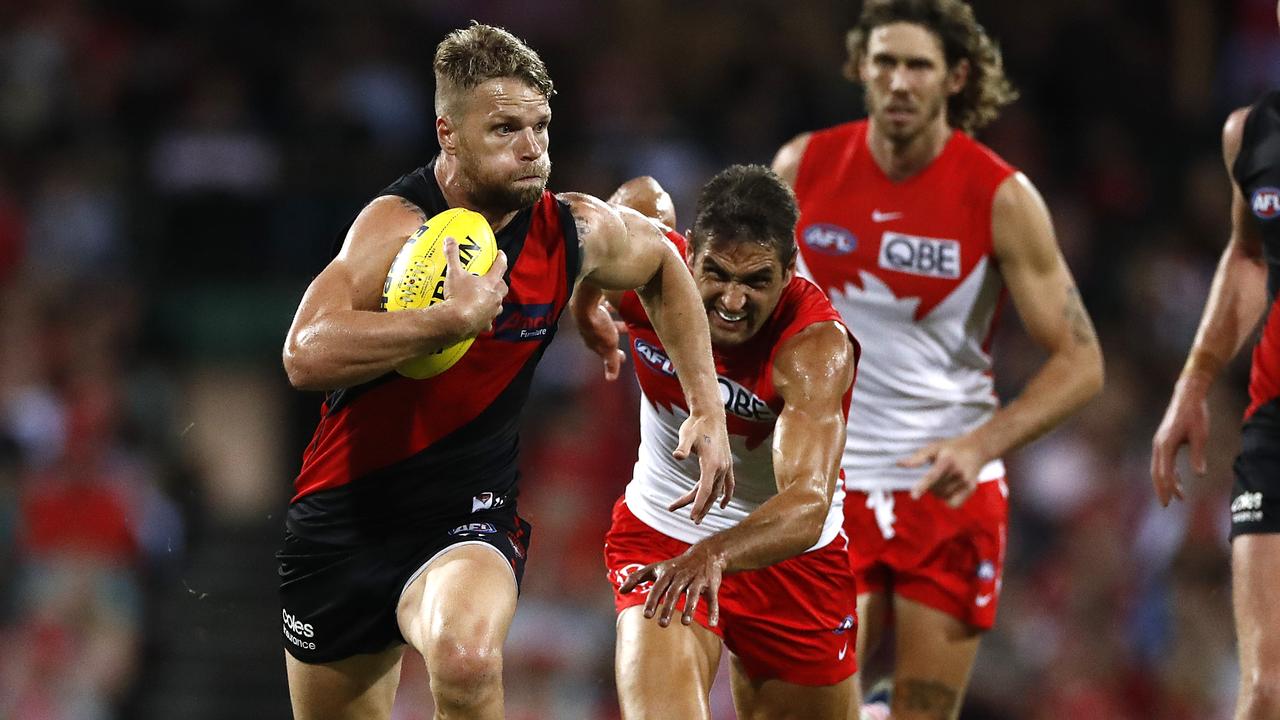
(493, 159)
(623, 250)
(667, 671)
(812, 371)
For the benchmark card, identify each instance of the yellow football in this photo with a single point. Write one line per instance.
(416, 278)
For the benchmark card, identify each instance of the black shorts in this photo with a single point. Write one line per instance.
(1255, 497)
(339, 600)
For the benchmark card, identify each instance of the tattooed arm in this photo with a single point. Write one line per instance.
(338, 337)
(622, 250)
(591, 305)
(1047, 301)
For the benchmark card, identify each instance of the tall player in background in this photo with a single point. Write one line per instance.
(772, 565)
(403, 526)
(917, 232)
(1246, 285)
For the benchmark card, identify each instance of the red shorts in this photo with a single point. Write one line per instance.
(794, 621)
(950, 560)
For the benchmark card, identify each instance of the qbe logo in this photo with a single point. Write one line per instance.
(740, 401)
(1265, 202)
(931, 257)
(830, 239)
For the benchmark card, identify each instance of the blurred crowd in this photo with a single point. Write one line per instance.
(172, 174)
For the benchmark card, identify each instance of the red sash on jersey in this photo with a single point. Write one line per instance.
(396, 417)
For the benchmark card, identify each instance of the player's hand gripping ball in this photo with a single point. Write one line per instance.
(417, 276)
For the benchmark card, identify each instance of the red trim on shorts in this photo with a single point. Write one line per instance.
(947, 559)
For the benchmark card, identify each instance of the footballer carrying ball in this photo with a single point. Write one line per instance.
(416, 278)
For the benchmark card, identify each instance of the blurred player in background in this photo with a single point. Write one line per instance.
(767, 576)
(403, 526)
(1245, 288)
(917, 232)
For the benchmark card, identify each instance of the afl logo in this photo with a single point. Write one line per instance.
(655, 358)
(830, 239)
(1266, 202)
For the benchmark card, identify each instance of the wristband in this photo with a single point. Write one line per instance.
(1200, 360)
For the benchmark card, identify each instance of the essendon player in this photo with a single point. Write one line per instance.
(917, 232)
(1245, 288)
(766, 576)
(403, 526)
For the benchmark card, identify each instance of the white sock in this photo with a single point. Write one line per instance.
(874, 711)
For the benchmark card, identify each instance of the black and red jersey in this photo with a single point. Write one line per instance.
(395, 451)
(1257, 173)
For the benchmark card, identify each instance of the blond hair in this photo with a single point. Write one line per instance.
(472, 55)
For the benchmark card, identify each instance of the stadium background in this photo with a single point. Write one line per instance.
(173, 173)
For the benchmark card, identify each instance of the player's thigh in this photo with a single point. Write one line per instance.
(873, 612)
(459, 608)
(934, 655)
(775, 699)
(664, 672)
(1255, 563)
(361, 687)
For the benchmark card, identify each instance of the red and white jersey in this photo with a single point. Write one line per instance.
(752, 406)
(909, 266)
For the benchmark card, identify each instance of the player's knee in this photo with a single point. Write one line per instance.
(464, 673)
(1260, 695)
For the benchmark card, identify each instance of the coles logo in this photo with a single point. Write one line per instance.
(296, 625)
(655, 358)
(1265, 202)
(829, 239)
(298, 632)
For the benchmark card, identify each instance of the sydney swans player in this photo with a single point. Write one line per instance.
(1245, 287)
(403, 526)
(917, 232)
(766, 576)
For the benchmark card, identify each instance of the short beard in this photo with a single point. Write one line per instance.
(909, 134)
(504, 197)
